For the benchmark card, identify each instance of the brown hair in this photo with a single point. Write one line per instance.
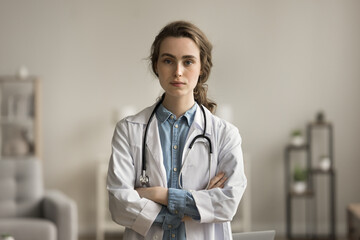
(188, 30)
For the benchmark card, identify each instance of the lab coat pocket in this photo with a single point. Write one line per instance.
(199, 166)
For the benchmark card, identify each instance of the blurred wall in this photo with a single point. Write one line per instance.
(276, 63)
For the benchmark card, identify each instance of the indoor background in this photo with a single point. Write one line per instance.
(276, 64)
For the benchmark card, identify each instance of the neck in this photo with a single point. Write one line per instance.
(178, 106)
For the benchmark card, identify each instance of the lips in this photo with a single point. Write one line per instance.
(177, 84)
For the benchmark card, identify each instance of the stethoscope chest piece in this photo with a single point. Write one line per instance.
(144, 179)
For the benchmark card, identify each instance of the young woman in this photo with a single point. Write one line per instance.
(176, 171)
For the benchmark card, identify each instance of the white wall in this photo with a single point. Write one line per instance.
(276, 62)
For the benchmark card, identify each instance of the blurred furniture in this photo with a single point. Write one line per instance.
(104, 223)
(19, 117)
(353, 221)
(319, 143)
(258, 235)
(29, 213)
(242, 219)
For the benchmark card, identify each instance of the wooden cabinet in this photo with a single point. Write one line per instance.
(20, 129)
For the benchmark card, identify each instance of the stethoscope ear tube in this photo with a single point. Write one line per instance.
(201, 136)
(210, 165)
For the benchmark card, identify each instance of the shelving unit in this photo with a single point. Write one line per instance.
(310, 151)
(20, 132)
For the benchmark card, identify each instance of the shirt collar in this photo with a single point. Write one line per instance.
(190, 114)
(162, 114)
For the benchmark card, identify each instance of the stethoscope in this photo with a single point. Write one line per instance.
(144, 179)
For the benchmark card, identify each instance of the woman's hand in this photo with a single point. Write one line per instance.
(218, 181)
(156, 194)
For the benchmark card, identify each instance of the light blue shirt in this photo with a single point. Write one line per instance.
(173, 133)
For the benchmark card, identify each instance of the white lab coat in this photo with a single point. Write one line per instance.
(216, 206)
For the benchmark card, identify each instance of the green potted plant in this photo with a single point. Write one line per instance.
(6, 237)
(299, 177)
(297, 138)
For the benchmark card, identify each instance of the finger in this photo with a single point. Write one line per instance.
(221, 182)
(215, 179)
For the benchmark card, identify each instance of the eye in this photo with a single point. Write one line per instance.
(188, 62)
(167, 61)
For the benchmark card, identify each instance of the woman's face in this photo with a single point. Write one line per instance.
(178, 66)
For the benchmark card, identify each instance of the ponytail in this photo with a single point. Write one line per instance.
(200, 96)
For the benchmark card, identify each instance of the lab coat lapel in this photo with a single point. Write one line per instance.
(197, 128)
(199, 121)
(154, 146)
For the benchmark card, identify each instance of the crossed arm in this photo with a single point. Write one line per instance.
(160, 194)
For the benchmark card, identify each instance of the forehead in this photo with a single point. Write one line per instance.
(179, 46)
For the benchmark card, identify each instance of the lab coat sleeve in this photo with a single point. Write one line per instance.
(220, 205)
(125, 205)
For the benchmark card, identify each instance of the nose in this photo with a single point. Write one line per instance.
(179, 70)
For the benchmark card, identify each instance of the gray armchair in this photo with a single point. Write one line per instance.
(27, 212)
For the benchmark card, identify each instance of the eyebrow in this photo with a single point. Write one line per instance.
(172, 56)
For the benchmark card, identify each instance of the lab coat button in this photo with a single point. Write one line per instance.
(175, 169)
(172, 116)
(175, 147)
(169, 226)
(173, 235)
(176, 126)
